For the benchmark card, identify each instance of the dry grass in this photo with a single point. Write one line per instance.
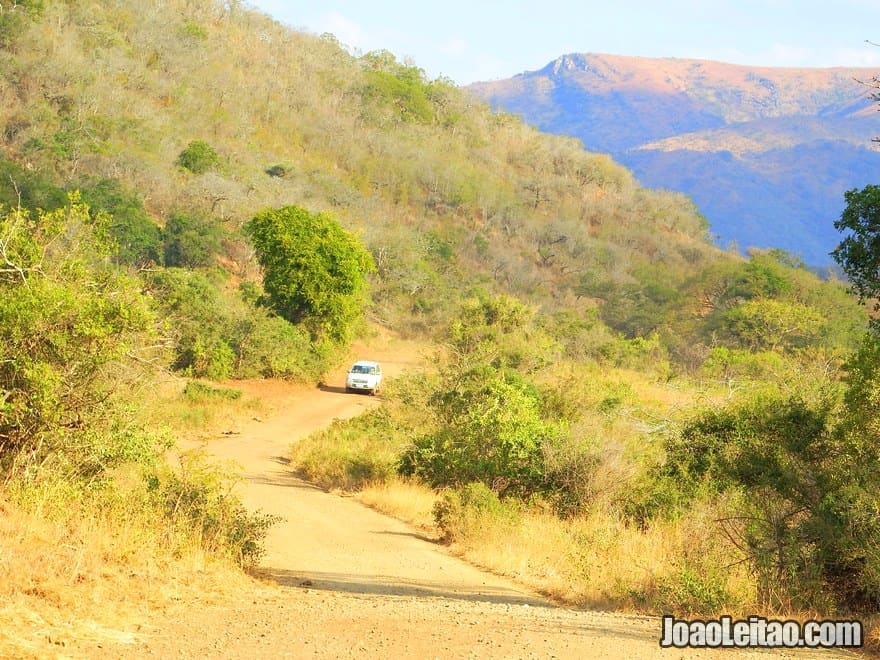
(73, 571)
(592, 560)
(166, 406)
(89, 577)
(404, 500)
(596, 561)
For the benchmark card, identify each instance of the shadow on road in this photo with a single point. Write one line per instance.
(414, 535)
(333, 389)
(384, 585)
(285, 478)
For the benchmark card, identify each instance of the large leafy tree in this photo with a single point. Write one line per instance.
(138, 239)
(859, 252)
(314, 272)
(768, 324)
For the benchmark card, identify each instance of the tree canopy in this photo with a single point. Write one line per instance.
(314, 272)
(859, 252)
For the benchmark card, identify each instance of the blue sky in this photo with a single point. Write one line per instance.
(469, 41)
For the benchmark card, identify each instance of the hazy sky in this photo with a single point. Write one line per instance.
(475, 40)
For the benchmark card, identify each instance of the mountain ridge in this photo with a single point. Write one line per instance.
(673, 121)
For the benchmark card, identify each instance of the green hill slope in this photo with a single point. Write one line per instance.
(442, 190)
(188, 187)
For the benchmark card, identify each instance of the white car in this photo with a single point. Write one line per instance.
(364, 375)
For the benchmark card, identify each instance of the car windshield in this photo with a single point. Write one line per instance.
(363, 369)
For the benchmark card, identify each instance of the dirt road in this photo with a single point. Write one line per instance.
(342, 581)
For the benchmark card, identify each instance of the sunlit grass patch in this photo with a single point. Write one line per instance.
(192, 409)
(93, 573)
(597, 560)
(408, 501)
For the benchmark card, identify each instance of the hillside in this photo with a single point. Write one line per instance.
(195, 197)
(442, 191)
(765, 153)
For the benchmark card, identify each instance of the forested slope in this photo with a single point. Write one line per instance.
(445, 194)
(192, 189)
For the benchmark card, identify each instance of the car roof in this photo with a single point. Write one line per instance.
(366, 363)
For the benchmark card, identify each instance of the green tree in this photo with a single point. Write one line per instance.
(198, 157)
(191, 241)
(314, 272)
(768, 324)
(859, 252)
(490, 430)
(138, 239)
(30, 190)
(399, 87)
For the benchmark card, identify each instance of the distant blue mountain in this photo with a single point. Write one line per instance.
(765, 153)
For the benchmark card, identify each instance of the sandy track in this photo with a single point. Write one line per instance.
(343, 581)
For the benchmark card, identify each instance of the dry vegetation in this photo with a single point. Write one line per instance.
(583, 317)
(593, 559)
(88, 573)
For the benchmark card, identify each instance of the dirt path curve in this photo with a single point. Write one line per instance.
(346, 582)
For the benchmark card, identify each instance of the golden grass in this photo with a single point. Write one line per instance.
(596, 561)
(408, 501)
(591, 560)
(93, 577)
(74, 571)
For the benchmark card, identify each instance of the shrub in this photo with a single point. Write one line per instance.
(490, 431)
(198, 157)
(806, 486)
(692, 591)
(191, 241)
(70, 321)
(206, 356)
(197, 500)
(464, 511)
(220, 334)
(350, 454)
(14, 20)
(267, 346)
(502, 331)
